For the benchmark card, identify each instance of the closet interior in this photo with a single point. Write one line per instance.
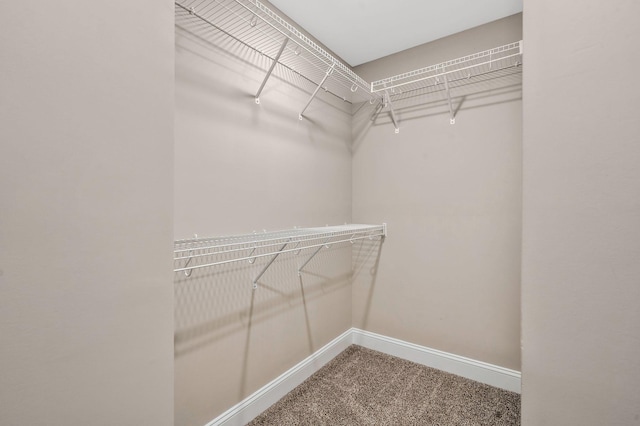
(308, 133)
(511, 242)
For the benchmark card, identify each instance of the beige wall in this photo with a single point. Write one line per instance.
(86, 162)
(241, 167)
(581, 239)
(449, 273)
(85, 176)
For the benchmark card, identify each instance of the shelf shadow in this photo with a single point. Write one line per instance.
(366, 258)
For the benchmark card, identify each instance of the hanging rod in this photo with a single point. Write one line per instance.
(249, 247)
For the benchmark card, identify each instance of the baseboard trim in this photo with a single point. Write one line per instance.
(479, 371)
(249, 408)
(246, 410)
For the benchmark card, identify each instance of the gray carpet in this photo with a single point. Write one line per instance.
(365, 387)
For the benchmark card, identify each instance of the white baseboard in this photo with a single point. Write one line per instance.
(246, 410)
(249, 408)
(479, 371)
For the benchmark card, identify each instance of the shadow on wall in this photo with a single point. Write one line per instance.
(365, 261)
(215, 302)
(478, 91)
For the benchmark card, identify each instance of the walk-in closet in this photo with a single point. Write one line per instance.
(247, 212)
(421, 149)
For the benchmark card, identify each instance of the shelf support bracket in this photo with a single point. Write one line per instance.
(273, 65)
(393, 113)
(452, 115)
(188, 272)
(377, 111)
(255, 281)
(315, 92)
(316, 251)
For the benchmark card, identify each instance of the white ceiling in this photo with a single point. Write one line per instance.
(360, 31)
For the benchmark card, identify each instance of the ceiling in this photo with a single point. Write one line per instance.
(360, 31)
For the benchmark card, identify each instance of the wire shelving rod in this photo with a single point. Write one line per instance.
(272, 244)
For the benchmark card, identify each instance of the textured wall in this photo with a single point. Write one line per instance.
(581, 239)
(241, 167)
(448, 276)
(86, 159)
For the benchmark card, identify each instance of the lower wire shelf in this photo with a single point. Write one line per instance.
(197, 253)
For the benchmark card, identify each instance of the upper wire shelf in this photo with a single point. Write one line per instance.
(444, 76)
(464, 68)
(196, 253)
(255, 25)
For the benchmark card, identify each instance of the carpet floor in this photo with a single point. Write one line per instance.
(364, 387)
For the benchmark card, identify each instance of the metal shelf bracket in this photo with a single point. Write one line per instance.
(452, 114)
(316, 251)
(315, 92)
(188, 272)
(377, 110)
(387, 102)
(275, 256)
(273, 65)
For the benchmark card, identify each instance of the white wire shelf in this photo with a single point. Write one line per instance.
(253, 24)
(442, 77)
(460, 69)
(197, 253)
